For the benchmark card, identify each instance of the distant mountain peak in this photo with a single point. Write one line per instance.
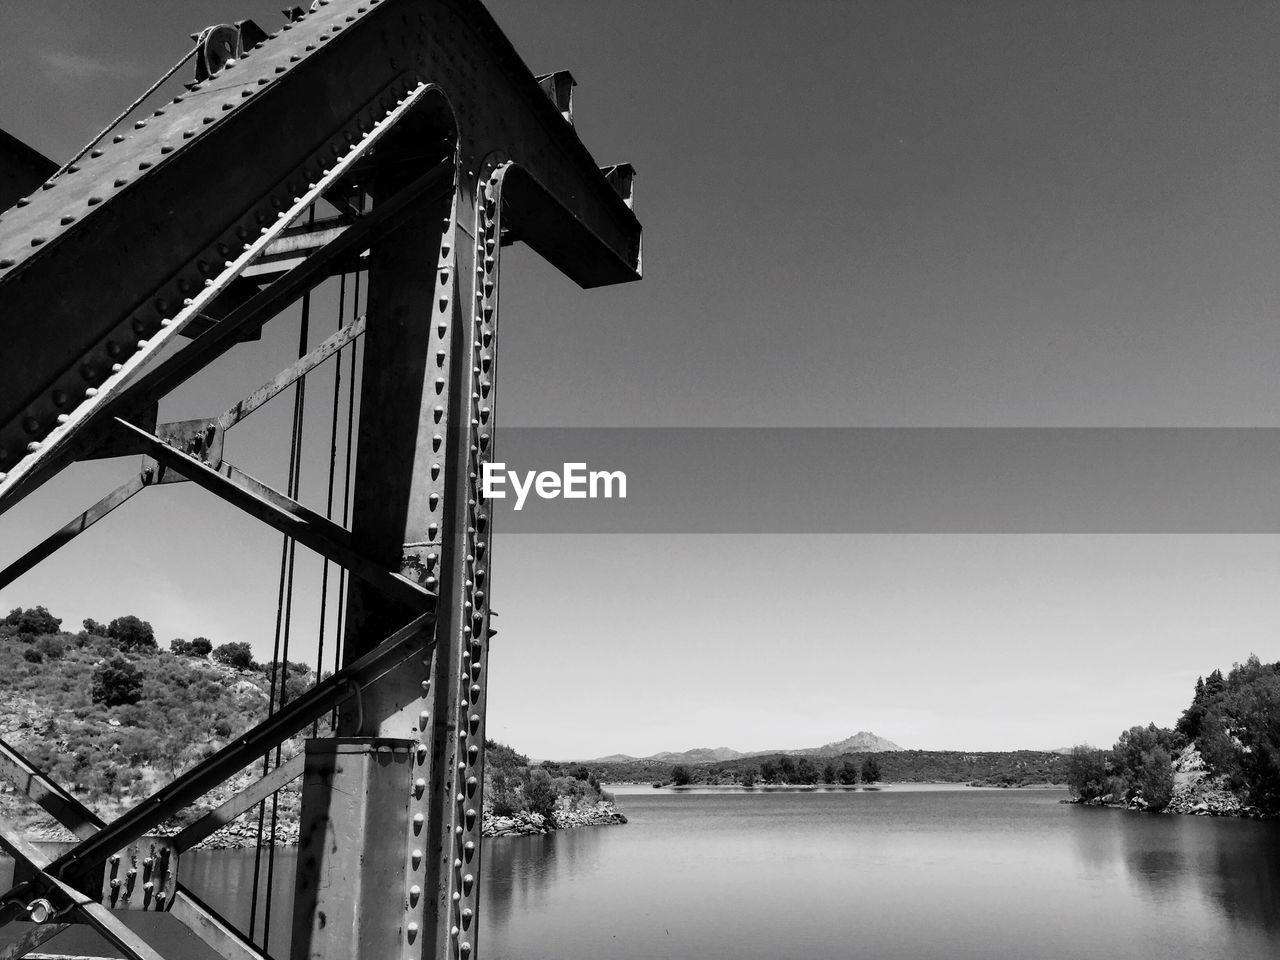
(864, 741)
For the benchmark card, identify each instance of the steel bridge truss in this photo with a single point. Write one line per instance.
(416, 122)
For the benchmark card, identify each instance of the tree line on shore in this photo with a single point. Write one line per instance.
(1233, 722)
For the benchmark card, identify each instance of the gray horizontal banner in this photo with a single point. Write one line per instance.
(889, 480)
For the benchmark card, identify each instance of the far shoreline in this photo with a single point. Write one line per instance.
(902, 786)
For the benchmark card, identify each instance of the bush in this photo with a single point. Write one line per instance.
(131, 633)
(680, 775)
(37, 620)
(848, 773)
(540, 793)
(870, 770)
(32, 655)
(1154, 778)
(51, 647)
(95, 628)
(116, 682)
(199, 647)
(238, 655)
(1086, 772)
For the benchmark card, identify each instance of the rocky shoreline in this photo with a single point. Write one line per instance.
(1196, 793)
(243, 834)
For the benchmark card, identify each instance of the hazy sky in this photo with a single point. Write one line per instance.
(856, 215)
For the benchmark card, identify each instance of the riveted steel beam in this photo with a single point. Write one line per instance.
(117, 381)
(78, 905)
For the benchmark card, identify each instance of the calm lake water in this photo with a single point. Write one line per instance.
(895, 874)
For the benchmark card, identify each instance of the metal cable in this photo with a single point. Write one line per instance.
(280, 648)
(341, 638)
(128, 110)
(333, 463)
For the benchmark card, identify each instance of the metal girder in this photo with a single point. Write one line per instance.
(290, 375)
(241, 803)
(127, 443)
(119, 384)
(78, 904)
(287, 516)
(211, 927)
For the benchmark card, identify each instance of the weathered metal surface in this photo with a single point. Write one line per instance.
(67, 902)
(462, 632)
(143, 875)
(59, 426)
(211, 927)
(352, 787)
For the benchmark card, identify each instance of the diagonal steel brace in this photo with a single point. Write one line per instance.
(286, 515)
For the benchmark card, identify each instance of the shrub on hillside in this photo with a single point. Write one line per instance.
(131, 633)
(51, 648)
(116, 682)
(32, 655)
(198, 648)
(36, 621)
(238, 655)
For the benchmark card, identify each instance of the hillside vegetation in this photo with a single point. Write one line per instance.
(1015, 768)
(1222, 755)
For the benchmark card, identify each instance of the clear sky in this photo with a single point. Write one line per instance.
(856, 214)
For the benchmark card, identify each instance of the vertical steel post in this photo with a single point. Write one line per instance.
(400, 519)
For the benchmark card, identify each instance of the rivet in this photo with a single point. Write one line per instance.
(140, 124)
(36, 241)
(120, 182)
(416, 857)
(94, 201)
(95, 153)
(424, 719)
